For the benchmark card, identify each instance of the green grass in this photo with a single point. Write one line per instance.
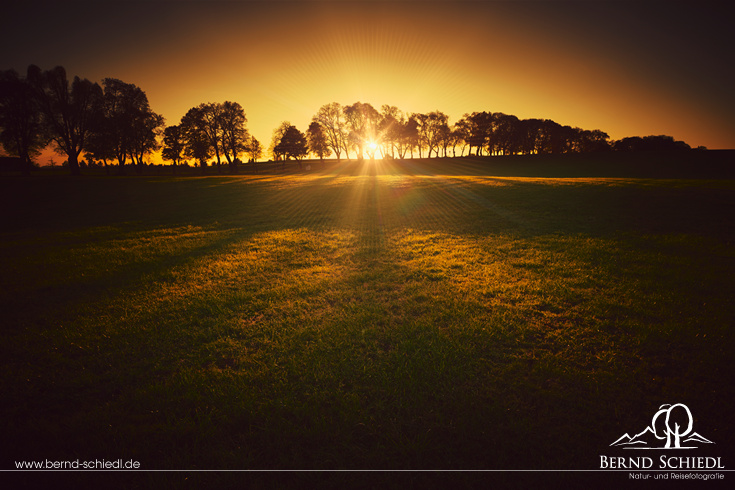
(407, 315)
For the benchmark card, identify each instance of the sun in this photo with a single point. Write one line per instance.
(372, 148)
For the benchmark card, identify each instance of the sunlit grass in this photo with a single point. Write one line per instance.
(363, 317)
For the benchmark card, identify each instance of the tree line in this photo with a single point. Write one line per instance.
(113, 124)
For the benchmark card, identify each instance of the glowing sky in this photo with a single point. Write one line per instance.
(628, 68)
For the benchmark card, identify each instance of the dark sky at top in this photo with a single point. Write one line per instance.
(626, 67)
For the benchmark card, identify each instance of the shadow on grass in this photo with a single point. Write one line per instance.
(365, 323)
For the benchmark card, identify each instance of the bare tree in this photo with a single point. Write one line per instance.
(331, 118)
(254, 149)
(389, 128)
(363, 121)
(421, 127)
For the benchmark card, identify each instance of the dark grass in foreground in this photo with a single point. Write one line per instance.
(369, 316)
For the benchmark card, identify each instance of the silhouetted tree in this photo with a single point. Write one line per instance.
(205, 120)
(543, 136)
(432, 128)
(174, 145)
(528, 135)
(254, 149)
(477, 128)
(363, 121)
(410, 134)
(317, 140)
(331, 118)
(292, 144)
(278, 133)
(650, 143)
(443, 139)
(593, 141)
(505, 137)
(69, 110)
(420, 120)
(389, 129)
(212, 127)
(630, 143)
(360, 128)
(98, 147)
(146, 134)
(555, 138)
(234, 136)
(113, 134)
(462, 133)
(198, 144)
(126, 127)
(22, 133)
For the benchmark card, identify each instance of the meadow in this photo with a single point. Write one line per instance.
(430, 314)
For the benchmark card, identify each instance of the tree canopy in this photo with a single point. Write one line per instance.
(125, 127)
(69, 109)
(291, 144)
(317, 140)
(116, 123)
(22, 133)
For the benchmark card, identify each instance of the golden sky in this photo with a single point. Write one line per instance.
(627, 68)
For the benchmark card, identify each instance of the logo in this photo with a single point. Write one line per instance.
(673, 424)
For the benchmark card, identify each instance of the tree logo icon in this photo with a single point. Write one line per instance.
(673, 424)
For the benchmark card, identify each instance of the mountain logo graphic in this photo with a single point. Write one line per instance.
(673, 424)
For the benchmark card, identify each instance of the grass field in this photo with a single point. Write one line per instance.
(440, 314)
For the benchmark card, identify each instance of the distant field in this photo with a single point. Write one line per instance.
(411, 315)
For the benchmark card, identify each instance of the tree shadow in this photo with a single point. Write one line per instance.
(420, 323)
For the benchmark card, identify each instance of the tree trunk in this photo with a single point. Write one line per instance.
(27, 164)
(74, 164)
